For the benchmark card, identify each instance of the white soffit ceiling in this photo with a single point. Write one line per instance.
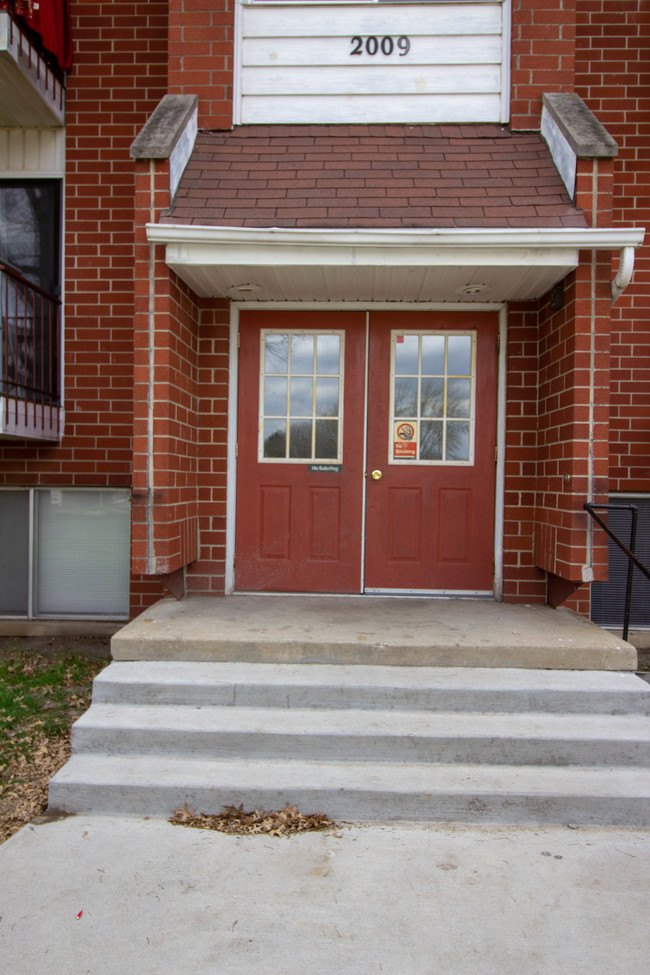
(392, 265)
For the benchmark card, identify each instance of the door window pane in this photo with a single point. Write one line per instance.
(275, 438)
(327, 361)
(459, 355)
(301, 386)
(433, 355)
(406, 397)
(432, 416)
(276, 353)
(458, 394)
(302, 353)
(431, 446)
(457, 446)
(275, 395)
(406, 354)
(327, 397)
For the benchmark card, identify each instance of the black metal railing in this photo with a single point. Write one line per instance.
(632, 560)
(29, 344)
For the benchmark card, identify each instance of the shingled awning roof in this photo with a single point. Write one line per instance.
(370, 213)
(372, 176)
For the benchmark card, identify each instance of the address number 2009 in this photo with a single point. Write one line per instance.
(386, 45)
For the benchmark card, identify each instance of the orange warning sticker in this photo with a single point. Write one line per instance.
(405, 439)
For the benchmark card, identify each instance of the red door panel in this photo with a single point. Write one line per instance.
(430, 526)
(299, 530)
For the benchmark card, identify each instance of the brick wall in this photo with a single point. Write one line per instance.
(118, 77)
(523, 581)
(542, 58)
(201, 57)
(612, 56)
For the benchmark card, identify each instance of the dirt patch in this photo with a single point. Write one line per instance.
(45, 685)
(91, 647)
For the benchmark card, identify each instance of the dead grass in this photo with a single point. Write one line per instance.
(40, 697)
(233, 819)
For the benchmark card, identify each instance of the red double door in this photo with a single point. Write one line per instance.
(366, 451)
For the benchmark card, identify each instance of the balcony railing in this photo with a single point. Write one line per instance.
(32, 94)
(29, 358)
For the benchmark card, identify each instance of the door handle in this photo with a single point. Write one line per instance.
(376, 475)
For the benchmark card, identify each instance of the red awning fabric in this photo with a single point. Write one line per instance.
(50, 19)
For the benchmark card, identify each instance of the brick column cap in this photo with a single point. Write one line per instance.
(588, 138)
(161, 132)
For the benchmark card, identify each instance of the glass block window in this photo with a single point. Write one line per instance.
(301, 397)
(432, 397)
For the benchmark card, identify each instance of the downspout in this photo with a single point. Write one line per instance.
(150, 377)
(588, 567)
(624, 274)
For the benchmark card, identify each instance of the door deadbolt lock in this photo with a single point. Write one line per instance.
(376, 475)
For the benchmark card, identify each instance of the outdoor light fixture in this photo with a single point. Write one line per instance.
(243, 290)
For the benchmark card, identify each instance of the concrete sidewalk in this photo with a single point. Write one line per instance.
(111, 896)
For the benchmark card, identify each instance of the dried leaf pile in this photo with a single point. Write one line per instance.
(233, 819)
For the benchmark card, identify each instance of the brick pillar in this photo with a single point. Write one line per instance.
(165, 438)
(573, 424)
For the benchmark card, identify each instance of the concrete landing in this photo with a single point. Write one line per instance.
(404, 631)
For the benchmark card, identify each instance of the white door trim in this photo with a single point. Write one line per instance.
(233, 365)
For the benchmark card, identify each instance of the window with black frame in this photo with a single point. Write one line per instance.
(30, 288)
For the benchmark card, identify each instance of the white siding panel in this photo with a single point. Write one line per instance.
(309, 20)
(32, 152)
(375, 80)
(330, 109)
(298, 63)
(325, 51)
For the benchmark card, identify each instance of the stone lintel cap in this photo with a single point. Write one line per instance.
(164, 127)
(580, 127)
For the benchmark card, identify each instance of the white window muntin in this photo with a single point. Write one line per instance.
(298, 414)
(415, 418)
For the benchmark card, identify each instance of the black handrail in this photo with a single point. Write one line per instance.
(632, 560)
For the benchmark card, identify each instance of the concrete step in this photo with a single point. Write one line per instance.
(401, 688)
(363, 742)
(155, 786)
(364, 735)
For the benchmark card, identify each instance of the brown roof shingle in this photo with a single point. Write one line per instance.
(372, 176)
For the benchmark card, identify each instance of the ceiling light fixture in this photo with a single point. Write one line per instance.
(243, 290)
(473, 289)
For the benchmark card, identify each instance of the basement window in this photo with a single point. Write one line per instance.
(66, 553)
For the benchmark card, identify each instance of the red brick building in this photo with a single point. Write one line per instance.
(297, 299)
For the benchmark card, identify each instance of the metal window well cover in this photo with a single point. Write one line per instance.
(608, 598)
